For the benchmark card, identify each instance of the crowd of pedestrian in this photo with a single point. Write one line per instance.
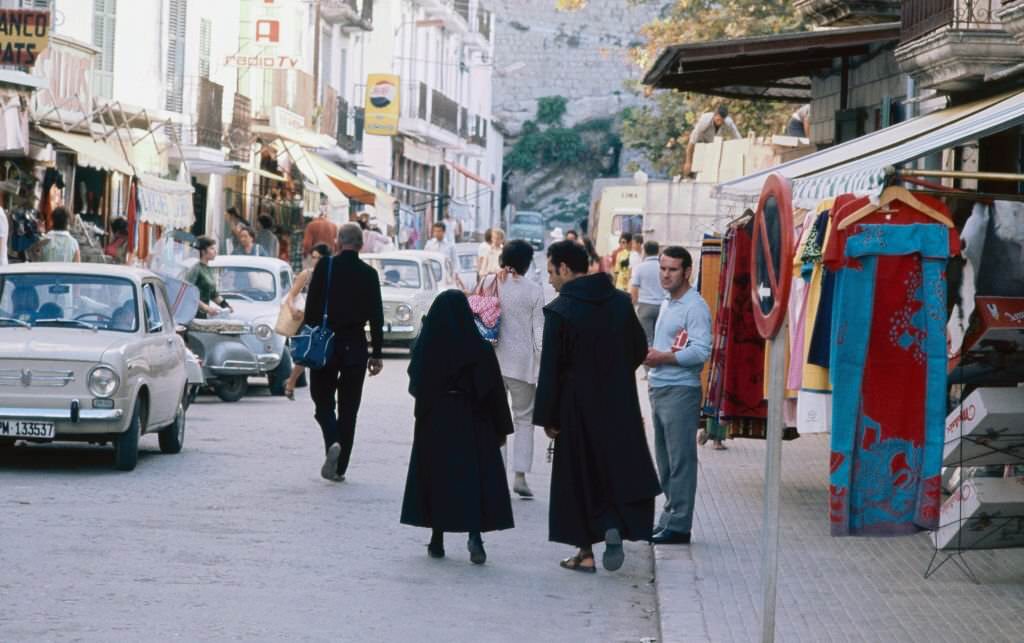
(568, 367)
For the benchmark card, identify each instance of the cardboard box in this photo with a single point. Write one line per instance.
(987, 428)
(984, 513)
(996, 330)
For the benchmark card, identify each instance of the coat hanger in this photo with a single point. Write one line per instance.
(889, 195)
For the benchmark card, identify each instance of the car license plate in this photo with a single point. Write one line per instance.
(27, 429)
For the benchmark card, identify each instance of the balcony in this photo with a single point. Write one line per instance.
(480, 35)
(847, 13)
(1012, 17)
(951, 45)
(352, 15)
(430, 115)
(202, 134)
(451, 14)
(350, 127)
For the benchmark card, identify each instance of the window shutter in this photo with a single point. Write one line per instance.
(175, 81)
(103, 26)
(205, 44)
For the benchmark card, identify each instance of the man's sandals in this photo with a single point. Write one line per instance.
(575, 563)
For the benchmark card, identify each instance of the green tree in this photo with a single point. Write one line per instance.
(661, 127)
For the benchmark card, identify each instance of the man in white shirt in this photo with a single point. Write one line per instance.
(4, 237)
(437, 243)
(646, 292)
(709, 125)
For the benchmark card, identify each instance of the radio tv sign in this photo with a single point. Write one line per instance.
(382, 103)
(24, 34)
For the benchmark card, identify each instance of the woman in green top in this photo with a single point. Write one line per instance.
(201, 276)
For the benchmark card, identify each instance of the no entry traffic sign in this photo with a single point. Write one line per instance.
(771, 262)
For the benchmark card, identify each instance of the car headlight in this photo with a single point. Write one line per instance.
(403, 313)
(103, 381)
(263, 331)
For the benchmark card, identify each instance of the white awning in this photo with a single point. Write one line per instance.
(859, 165)
(866, 175)
(165, 203)
(102, 155)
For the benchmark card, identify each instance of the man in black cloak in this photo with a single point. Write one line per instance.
(603, 482)
(456, 479)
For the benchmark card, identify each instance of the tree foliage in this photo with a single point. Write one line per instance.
(661, 127)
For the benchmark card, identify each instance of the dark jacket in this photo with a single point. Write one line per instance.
(354, 300)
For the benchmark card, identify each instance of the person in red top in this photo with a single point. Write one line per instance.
(321, 230)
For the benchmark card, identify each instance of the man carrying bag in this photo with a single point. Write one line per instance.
(350, 297)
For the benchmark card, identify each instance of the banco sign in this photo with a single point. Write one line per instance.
(23, 36)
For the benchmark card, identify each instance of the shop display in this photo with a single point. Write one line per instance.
(986, 428)
(984, 513)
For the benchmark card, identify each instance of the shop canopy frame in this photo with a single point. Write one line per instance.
(772, 68)
(860, 166)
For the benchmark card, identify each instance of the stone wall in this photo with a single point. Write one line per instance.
(582, 55)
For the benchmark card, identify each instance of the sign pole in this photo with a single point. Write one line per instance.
(772, 482)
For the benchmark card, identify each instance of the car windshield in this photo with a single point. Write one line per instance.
(467, 262)
(72, 300)
(528, 219)
(397, 273)
(517, 231)
(238, 282)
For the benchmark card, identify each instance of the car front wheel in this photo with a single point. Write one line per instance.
(231, 389)
(172, 438)
(126, 445)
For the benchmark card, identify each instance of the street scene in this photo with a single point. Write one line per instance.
(493, 320)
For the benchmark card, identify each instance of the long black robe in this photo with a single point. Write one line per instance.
(602, 475)
(456, 480)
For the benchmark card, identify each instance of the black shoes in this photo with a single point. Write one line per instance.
(475, 545)
(436, 546)
(669, 537)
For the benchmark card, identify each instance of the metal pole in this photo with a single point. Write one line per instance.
(772, 481)
(956, 174)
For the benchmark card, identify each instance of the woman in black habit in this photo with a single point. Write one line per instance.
(456, 478)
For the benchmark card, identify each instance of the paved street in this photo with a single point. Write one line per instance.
(238, 538)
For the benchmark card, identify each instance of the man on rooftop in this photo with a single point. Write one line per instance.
(709, 125)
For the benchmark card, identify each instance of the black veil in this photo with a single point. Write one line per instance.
(449, 343)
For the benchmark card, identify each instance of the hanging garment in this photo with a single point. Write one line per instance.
(814, 401)
(888, 335)
(742, 394)
(707, 285)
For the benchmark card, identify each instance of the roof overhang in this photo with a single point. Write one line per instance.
(776, 67)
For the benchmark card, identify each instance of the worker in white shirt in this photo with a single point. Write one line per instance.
(709, 125)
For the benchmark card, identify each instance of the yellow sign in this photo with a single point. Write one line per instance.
(382, 103)
(23, 36)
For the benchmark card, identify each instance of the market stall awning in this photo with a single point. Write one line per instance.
(866, 175)
(165, 203)
(471, 175)
(102, 155)
(353, 186)
(305, 138)
(314, 174)
(897, 138)
(775, 67)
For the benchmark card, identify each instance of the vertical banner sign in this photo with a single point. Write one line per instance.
(382, 103)
(24, 35)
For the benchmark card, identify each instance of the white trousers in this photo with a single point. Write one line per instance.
(522, 395)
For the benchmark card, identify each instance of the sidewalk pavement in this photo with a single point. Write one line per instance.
(829, 589)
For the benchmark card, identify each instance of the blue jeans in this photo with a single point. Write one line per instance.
(676, 412)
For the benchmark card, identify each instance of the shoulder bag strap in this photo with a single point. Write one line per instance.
(327, 295)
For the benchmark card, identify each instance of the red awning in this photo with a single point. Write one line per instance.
(470, 175)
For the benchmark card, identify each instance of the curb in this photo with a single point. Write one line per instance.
(680, 612)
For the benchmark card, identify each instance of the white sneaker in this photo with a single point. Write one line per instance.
(330, 469)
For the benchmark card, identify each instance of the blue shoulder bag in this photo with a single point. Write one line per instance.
(313, 346)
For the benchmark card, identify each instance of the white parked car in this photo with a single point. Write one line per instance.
(89, 352)
(235, 346)
(409, 282)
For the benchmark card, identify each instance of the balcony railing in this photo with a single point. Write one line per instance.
(444, 112)
(239, 138)
(348, 13)
(350, 127)
(202, 101)
(920, 17)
